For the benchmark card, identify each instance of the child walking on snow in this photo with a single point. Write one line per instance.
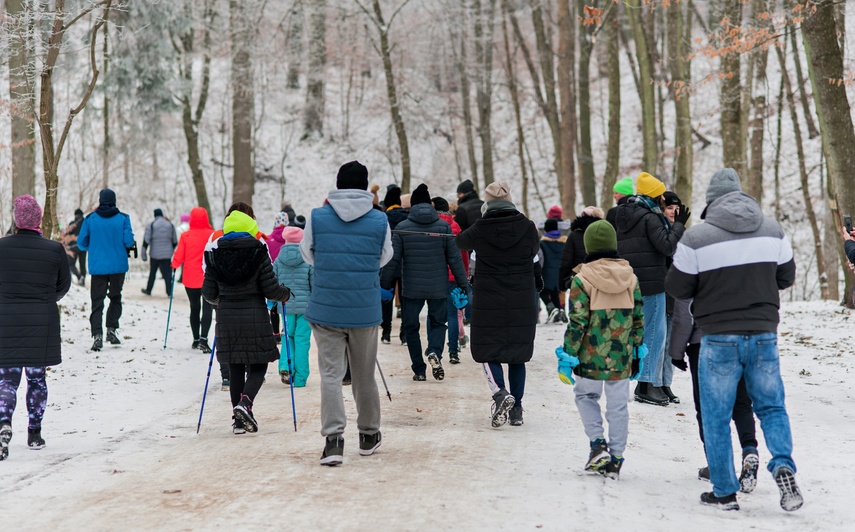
(293, 272)
(606, 326)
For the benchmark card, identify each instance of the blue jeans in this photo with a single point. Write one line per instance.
(724, 359)
(654, 338)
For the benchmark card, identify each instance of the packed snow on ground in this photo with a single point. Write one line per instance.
(122, 449)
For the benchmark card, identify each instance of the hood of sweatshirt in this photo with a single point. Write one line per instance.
(351, 204)
(611, 276)
(735, 212)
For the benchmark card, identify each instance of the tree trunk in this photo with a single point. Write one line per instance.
(392, 92)
(825, 66)
(465, 97)
(515, 100)
(485, 20)
(805, 186)
(800, 81)
(105, 148)
(22, 98)
(295, 46)
(733, 152)
(678, 49)
(243, 101)
(613, 149)
(586, 156)
(313, 112)
(754, 177)
(564, 134)
(650, 156)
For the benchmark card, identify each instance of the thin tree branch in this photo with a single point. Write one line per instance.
(88, 9)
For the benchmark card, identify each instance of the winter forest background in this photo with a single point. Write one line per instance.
(203, 102)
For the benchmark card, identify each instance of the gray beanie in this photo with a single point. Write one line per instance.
(723, 182)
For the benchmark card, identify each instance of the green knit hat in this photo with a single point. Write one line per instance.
(624, 186)
(600, 236)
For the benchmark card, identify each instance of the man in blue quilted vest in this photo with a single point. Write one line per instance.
(347, 241)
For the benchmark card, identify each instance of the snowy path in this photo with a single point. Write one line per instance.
(122, 450)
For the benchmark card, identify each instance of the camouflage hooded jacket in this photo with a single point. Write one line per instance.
(606, 321)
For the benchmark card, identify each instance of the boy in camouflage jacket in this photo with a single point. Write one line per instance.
(606, 326)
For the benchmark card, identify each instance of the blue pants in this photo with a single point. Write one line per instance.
(654, 338)
(724, 360)
(37, 393)
(299, 341)
(516, 376)
(436, 327)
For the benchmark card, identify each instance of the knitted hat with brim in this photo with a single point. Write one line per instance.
(600, 236)
(624, 186)
(647, 185)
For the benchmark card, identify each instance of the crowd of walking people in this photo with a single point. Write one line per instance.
(637, 292)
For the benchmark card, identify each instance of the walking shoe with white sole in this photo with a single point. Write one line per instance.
(599, 456)
(704, 473)
(728, 502)
(243, 412)
(5, 438)
(612, 469)
(791, 497)
(237, 426)
(333, 451)
(454, 357)
(368, 443)
(502, 403)
(435, 366)
(113, 336)
(35, 440)
(750, 466)
(98, 344)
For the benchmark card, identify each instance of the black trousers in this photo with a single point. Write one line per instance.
(388, 307)
(102, 286)
(72, 266)
(743, 412)
(165, 267)
(246, 379)
(200, 313)
(81, 256)
(551, 296)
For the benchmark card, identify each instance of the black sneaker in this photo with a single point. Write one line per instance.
(226, 385)
(670, 395)
(113, 336)
(435, 366)
(791, 497)
(98, 344)
(502, 402)
(368, 443)
(419, 377)
(386, 337)
(284, 376)
(728, 502)
(612, 469)
(599, 456)
(333, 451)
(243, 412)
(704, 474)
(403, 338)
(195, 344)
(35, 440)
(146, 292)
(453, 357)
(652, 395)
(346, 382)
(5, 437)
(237, 426)
(203, 345)
(515, 418)
(750, 466)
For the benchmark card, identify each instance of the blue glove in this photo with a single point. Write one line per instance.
(387, 295)
(640, 353)
(566, 363)
(270, 304)
(458, 296)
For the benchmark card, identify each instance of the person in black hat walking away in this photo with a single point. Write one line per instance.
(160, 235)
(395, 214)
(75, 255)
(107, 236)
(424, 262)
(468, 205)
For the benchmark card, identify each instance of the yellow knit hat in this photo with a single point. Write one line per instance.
(648, 185)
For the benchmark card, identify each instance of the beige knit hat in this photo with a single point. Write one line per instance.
(497, 190)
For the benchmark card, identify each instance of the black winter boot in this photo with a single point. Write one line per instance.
(98, 344)
(35, 440)
(645, 393)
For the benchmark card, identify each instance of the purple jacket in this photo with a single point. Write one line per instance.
(276, 242)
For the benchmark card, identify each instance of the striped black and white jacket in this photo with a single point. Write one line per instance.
(733, 266)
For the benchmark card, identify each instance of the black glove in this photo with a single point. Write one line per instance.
(134, 249)
(683, 214)
(538, 283)
(679, 364)
(636, 367)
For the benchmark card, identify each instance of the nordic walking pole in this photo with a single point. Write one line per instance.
(169, 313)
(389, 395)
(403, 232)
(208, 378)
(290, 371)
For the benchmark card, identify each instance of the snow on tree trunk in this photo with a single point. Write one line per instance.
(243, 100)
(22, 100)
(484, 30)
(613, 146)
(295, 45)
(313, 112)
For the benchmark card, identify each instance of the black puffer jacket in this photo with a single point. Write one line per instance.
(238, 276)
(504, 312)
(396, 216)
(424, 260)
(645, 242)
(33, 277)
(574, 249)
(468, 210)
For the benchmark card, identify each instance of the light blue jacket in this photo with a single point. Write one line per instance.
(295, 273)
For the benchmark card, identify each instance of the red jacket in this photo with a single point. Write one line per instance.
(191, 248)
(455, 229)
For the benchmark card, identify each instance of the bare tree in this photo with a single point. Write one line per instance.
(313, 112)
(241, 31)
(515, 100)
(612, 25)
(484, 20)
(586, 155)
(679, 45)
(650, 157)
(757, 124)
(295, 45)
(19, 27)
(465, 92)
(733, 149)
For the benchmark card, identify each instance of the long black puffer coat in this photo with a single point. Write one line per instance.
(645, 242)
(34, 275)
(504, 312)
(238, 276)
(573, 253)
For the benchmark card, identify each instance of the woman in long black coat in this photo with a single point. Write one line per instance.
(504, 308)
(34, 275)
(238, 278)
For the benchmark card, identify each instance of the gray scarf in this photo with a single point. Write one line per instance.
(497, 205)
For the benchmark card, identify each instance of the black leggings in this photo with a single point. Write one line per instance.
(198, 304)
(246, 379)
(551, 296)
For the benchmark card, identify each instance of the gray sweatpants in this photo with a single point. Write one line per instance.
(335, 347)
(588, 392)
